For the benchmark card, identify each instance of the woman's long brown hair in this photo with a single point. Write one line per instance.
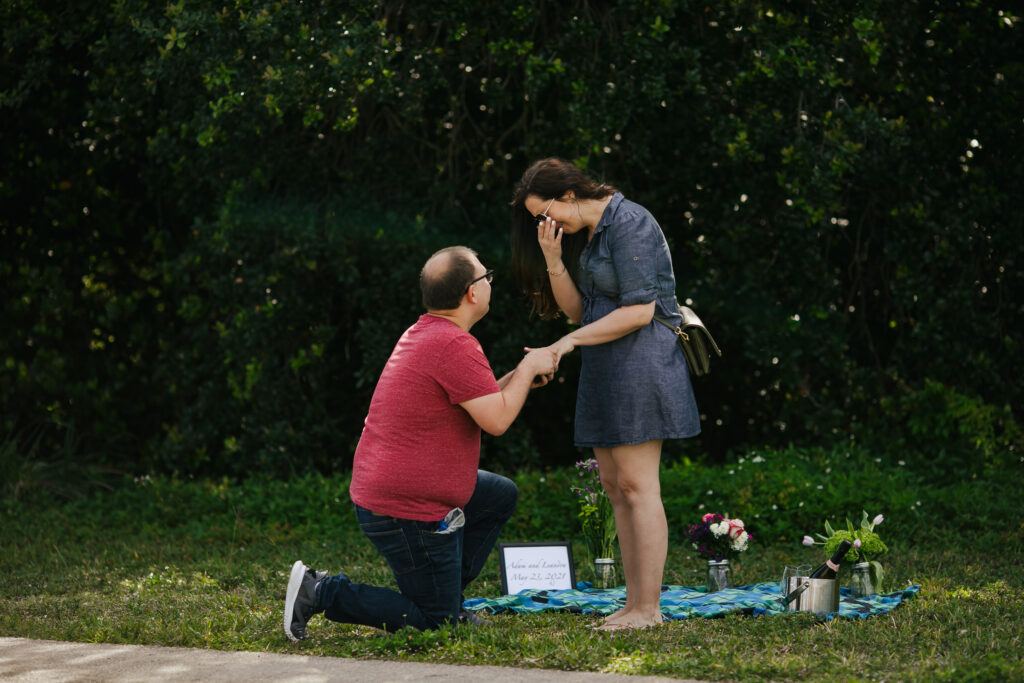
(548, 179)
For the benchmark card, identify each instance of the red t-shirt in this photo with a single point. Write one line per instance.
(418, 455)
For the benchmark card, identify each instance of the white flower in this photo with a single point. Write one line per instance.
(878, 520)
(719, 528)
(808, 541)
(856, 543)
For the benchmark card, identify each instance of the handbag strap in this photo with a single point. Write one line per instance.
(675, 328)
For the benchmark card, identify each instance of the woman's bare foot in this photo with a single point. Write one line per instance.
(629, 620)
(611, 627)
(630, 625)
(617, 615)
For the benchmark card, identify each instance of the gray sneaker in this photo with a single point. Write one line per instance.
(300, 600)
(467, 617)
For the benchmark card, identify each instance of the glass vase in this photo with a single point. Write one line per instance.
(861, 583)
(605, 575)
(718, 575)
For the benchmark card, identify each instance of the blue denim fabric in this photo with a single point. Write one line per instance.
(628, 259)
(636, 388)
(431, 569)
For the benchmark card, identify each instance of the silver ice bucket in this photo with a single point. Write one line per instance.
(820, 596)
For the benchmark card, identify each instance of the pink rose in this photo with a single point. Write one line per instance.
(708, 517)
(735, 527)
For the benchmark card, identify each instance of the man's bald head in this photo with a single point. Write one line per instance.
(445, 277)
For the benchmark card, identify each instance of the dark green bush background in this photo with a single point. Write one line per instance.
(214, 213)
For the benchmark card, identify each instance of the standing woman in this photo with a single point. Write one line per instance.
(604, 262)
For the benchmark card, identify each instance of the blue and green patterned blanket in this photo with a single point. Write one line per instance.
(681, 602)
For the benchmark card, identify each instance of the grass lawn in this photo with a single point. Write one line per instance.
(204, 564)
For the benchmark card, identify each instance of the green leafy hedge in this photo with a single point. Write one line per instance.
(839, 187)
(285, 315)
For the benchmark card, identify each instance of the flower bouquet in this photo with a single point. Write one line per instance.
(597, 518)
(867, 546)
(718, 538)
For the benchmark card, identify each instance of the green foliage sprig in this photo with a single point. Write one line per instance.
(596, 515)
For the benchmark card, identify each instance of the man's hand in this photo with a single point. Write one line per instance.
(495, 412)
(541, 362)
(541, 380)
(558, 349)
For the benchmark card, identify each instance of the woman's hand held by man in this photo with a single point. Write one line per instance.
(542, 362)
(562, 347)
(559, 349)
(543, 357)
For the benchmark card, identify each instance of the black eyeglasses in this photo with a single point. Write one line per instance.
(489, 276)
(543, 215)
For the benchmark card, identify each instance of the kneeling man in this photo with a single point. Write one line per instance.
(418, 494)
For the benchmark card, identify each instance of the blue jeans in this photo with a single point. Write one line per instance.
(431, 569)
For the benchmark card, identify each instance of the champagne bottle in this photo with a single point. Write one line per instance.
(828, 569)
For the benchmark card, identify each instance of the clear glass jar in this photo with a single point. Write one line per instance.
(605, 575)
(718, 575)
(861, 583)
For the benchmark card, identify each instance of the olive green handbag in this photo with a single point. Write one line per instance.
(695, 341)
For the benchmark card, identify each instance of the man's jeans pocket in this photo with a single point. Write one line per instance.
(394, 546)
(407, 545)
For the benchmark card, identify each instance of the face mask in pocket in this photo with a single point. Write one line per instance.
(452, 522)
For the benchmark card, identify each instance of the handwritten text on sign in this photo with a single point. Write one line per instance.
(541, 567)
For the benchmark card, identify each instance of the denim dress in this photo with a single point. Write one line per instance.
(636, 388)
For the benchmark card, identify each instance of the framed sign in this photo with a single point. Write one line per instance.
(546, 566)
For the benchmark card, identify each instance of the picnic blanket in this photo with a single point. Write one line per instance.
(682, 602)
